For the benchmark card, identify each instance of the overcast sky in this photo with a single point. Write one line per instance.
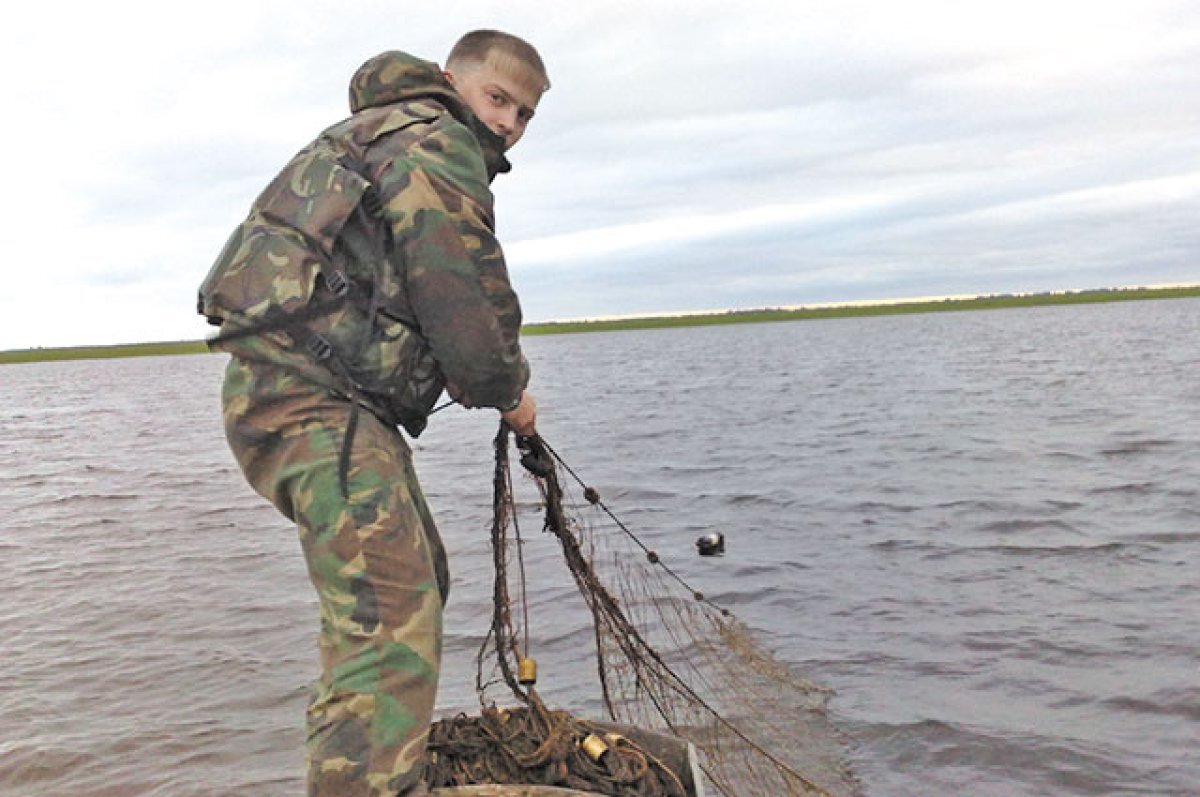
(690, 156)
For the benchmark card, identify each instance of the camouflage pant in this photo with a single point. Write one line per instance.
(378, 567)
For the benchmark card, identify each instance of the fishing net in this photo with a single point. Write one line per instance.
(671, 666)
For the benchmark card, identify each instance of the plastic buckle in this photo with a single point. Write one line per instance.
(337, 283)
(319, 348)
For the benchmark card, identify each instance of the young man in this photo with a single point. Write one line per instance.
(366, 280)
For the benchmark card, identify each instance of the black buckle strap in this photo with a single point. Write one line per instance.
(320, 349)
(336, 281)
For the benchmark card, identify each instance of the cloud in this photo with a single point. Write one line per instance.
(689, 156)
(607, 242)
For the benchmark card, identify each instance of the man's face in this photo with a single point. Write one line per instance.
(503, 99)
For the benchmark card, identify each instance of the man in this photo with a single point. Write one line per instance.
(365, 280)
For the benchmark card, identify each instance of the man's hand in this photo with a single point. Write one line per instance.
(523, 418)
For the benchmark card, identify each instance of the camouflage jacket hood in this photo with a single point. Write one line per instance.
(394, 76)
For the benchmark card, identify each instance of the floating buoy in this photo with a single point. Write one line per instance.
(594, 746)
(711, 544)
(527, 672)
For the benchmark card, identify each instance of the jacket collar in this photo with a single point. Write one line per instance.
(395, 76)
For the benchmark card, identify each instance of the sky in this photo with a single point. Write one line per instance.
(690, 156)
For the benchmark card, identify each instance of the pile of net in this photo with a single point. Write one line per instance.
(554, 748)
(670, 665)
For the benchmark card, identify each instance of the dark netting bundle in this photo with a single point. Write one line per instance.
(694, 704)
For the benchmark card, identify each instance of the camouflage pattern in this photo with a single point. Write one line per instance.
(424, 245)
(378, 566)
(394, 199)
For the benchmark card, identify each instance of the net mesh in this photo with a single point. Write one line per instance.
(666, 659)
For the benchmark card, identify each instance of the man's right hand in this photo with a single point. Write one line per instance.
(522, 419)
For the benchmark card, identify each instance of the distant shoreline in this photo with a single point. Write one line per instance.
(762, 315)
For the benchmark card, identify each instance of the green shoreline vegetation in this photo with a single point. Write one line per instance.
(992, 302)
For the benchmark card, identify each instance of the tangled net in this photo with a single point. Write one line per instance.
(667, 660)
(552, 748)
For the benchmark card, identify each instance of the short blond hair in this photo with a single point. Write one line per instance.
(503, 50)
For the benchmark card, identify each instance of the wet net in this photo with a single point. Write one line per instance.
(694, 704)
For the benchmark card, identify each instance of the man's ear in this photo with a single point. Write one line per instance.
(449, 76)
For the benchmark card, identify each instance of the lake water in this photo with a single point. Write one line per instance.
(981, 530)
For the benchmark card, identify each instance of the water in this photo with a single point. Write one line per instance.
(982, 530)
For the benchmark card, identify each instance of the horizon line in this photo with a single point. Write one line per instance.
(951, 297)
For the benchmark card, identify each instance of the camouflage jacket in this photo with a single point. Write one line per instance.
(370, 263)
